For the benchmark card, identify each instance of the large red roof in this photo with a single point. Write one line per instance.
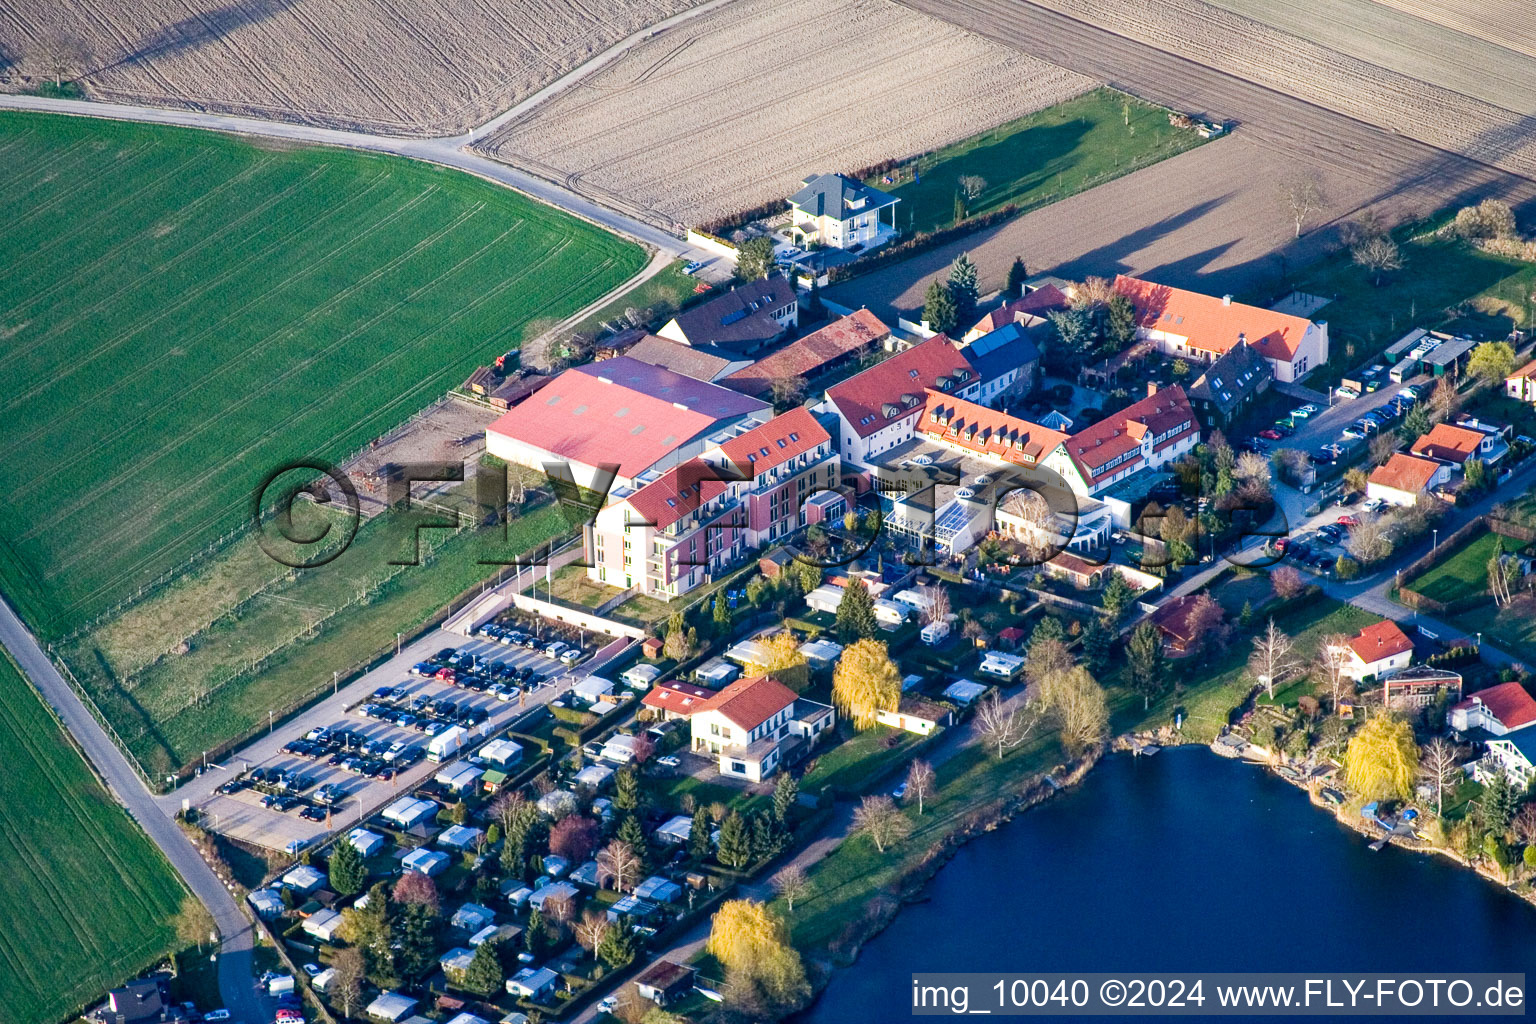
(1383, 640)
(1407, 473)
(676, 493)
(621, 411)
(1093, 448)
(1449, 442)
(979, 429)
(776, 442)
(894, 388)
(855, 332)
(1211, 323)
(1508, 702)
(678, 698)
(747, 703)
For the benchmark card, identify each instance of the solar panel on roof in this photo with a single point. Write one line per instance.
(732, 317)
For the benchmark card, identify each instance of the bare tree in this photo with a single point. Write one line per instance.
(1438, 767)
(791, 885)
(919, 782)
(1523, 825)
(60, 53)
(972, 185)
(1333, 659)
(1287, 582)
(938, 608)
(618, 860)
(1272, 661)
(1004, 727)
(1302, 194)
(591, 929)
(1379, 255)
(878, 818)
(788, 390)
(1368, 541)
(346, 988)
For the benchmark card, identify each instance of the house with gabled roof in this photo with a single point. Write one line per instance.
(754, 726)
(841, 212)
(742, 321)
(1006, 360)
(1455, 444)
(1402, 478)
(1147, 435)
(1203, 328)
(1498, 710)
(1229, 385)
(816, 354)
(698, 363)
(1376, 650)
(1026, 309)
(878, 408)
(1521, 384)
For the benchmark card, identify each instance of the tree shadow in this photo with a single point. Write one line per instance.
(195, 32)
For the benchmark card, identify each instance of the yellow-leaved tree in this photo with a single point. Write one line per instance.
(752, 944)
(782, 660)
(1382, 759)
(865, 682)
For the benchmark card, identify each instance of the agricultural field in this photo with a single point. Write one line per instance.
(184, 313)
(390, 66)
(88, 899)
(1341, 75)
(735, 107)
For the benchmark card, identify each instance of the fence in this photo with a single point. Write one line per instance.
(1455, 542)
(101, 719)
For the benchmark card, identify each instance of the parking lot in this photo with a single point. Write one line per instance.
(369, 741)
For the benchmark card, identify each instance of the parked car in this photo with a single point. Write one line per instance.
(1270, 434)
(1374, 505)
(1348, 521)
(692, 268)
(1346, 392)
(1330, 533)
(570, 656)
(669, 761)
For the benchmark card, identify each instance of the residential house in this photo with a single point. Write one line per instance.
(1079, 572)
(1172, 620)
(139, 1002)
(742, 321)
(618, 416)
(1149, 434)
(1514, 755)
(840, 212)
(537, 984)
(818, 353)
(1418, 687)
(1499, 710)
(665, 982)
(753, 726)
(780, 465)
(878, 408)
(698, 363)
(1377, 650)
(916, 715)
(1028, 309)
(1202, 328)
(1402, 478)
(1227, 388)
(1006, 361)
(1521, 385)
(1448, 442)
(673, 699)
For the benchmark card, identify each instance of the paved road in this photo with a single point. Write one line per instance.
(235, 929)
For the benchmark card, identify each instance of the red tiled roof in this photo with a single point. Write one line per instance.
(748, 703)
(676, 493)
(1383, 640)
(1077, 566)
(878, 396)
(853, 333)
(1526, 372)
(679, 698)
(1211, 324)
(1508, 702)
(775, 442)
(1046, 297)
(1123, 431)
(1172, 617)
(979, 429)
(620, 411)
(1407, 473)
(1451, 443)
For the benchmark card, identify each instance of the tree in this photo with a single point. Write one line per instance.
(1500, 575)
(1491, 362)
(536, 937)
(791, 885)
(698, 834)
(1416, 423)
(782, 660)
(960, 212)
(1438, 767)
(1205, 623)
(1077, 704)
(1302, 195)
(591, 929)
(347, 871)
(975, 632)
(752, 944)
(722, 615)
(920, 782)
(1271, 661)
(938, 609)
(788, 390)
(972, 186)
(785, 792)
(1333, 661)
(415, 928)
(1368, 541)
(626, 790)
(1379, 255)
(856, 612)
(1005, 727)
(1098, 645)
(735, 843)
(1286, 582)
(963, 289)
(574, 837)
(1147, 662)
(1116, 596)
(368, 930)
(619, 947)
(1013, 284)
(58, 54)
(878, 818)
(1498, 806)
(1382, 759)
(865, 682)
(483, 976)
(676, 645)
(1523, 825)
(939, 307)
(416, 888)
(1488, 219)
(632, 834)
(1120, 322)
(755, 258)
(619, 861)
(346, 987)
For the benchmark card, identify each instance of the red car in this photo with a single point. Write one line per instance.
(1270, 435)
(1348, 521)
(447, 675)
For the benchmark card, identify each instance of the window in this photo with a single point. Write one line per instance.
(738, 767)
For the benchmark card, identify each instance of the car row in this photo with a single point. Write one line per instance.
(566, 654)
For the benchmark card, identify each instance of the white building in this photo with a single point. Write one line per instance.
(840, 212)
(1403, 478)
(1377, 650)
(750, 726)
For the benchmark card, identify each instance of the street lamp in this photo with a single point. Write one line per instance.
(270, 716)
(397, 643)
(1435, 545)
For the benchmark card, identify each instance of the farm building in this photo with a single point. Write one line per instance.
(698, 363)
(742, 321)
(814, 355)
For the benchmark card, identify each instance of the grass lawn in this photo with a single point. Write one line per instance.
(1437, 274)
(571, 585)
(184, 312)
(1038, 159)
(1463, 574)
(88, 899)
(669, 793)
(856, 761)
(295, 634)
(669, 289)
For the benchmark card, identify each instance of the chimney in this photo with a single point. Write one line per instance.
(1226, 300)
(1151, 388)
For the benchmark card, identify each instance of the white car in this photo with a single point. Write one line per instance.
(216, 1015)
(669, 761)
(608, 1005)
(1374, 505)
(312, 969)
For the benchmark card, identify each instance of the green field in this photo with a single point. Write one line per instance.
(1462, 574)
(1037, 159)
(87, 900)
(184, 312)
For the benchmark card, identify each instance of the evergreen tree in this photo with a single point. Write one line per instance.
(368, 929)
(698, 835)
(1098, 646)
(626, 790)
(632, 833)
(722, 615)
(1013, 287)
(1147, 662)
(536, 937)
(1048, 628)
(347, 871)
(959, 207)
(856, 613)
(619, 946)
(1499, 801)
(1245, 617)
(1120, 325)
(735, 842)
(785, 791)
(963, 288)
(415, 927)
(939, 307)
(1116, 596)
(766, 839)
(483, 976)
(813, 304)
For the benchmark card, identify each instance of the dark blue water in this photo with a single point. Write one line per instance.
(1183, 861)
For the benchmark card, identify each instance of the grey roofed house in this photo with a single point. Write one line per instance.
(742, 320)
(1229, 384)
(391, 1006)
(837, 195)
(699, 363)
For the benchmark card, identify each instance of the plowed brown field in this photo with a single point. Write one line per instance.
(397, 66)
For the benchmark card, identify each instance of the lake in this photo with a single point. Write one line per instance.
(1183, 861)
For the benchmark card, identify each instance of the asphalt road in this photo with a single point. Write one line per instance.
(235, 929)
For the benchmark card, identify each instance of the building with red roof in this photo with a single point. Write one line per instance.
(1377, 650)
(1450, 443)
(753, 725)
(1026, 309)
(628, 416)
(1521, 384)
(1202, 328)
(878, 408)
(819, 352)
(1500, 710)
(1402, 478)
(1147, 435)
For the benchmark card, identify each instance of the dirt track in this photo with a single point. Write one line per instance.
(1210, 218)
